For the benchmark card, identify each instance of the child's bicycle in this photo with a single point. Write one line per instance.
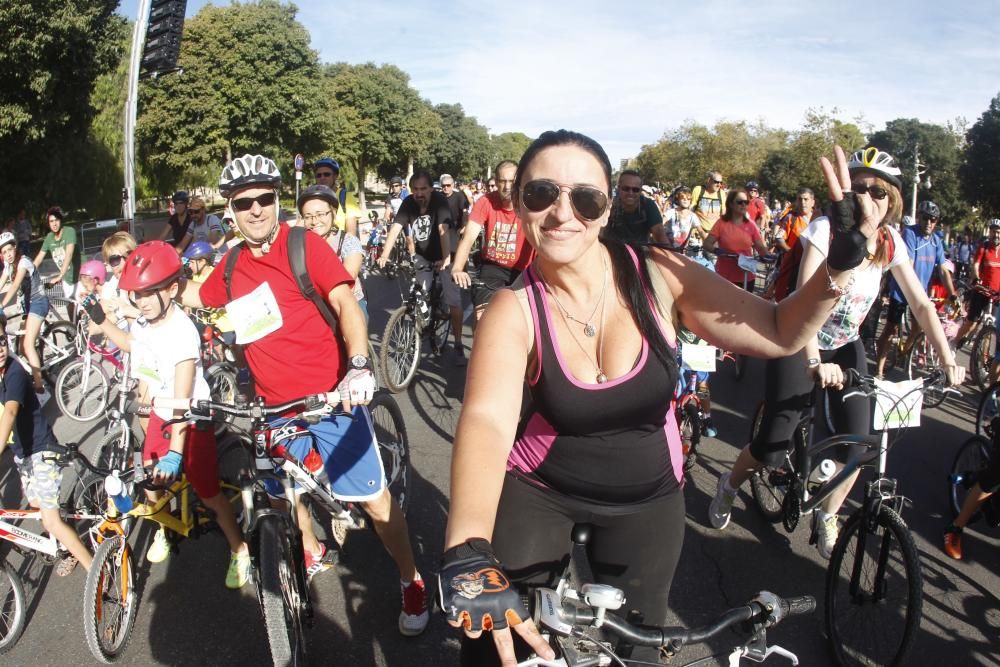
(83, 387)
(83, 508)
(579, 619)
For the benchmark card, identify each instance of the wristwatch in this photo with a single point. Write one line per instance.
(360, 361)
(812, 363)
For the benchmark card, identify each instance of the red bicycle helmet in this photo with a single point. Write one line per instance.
(152, 265)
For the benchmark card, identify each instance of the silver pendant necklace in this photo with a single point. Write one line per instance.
(589, 330)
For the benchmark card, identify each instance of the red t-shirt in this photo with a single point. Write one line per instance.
(301, 357)
(504, 242)
(738, 238)
(756, 209)
(988, 261)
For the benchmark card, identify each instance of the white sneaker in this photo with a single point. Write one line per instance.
(160, 548)
(722, 504)
(827, 530)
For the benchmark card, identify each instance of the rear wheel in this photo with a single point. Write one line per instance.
(222, 385)
(400, 353)
(82, 390)
(281, 601)
(393, 446)
(56, 346)
(109, 600)
(769, 484)
(972, 457)
(981, 356)
(989, 409)
(13, 610)
(921, 362)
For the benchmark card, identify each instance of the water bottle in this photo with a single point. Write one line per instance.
(314, 464)
(116, 491)
(821, 474)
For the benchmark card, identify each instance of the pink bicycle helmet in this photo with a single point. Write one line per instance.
(95, 269)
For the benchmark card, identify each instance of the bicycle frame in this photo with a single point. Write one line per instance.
(29, 540)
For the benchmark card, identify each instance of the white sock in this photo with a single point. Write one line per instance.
(407, 583)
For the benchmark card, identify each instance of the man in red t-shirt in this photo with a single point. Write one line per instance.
(292, 353)
(757, 209)
(985, 271)
(505, 252)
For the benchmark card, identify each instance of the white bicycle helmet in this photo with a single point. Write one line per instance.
(6, 238)
(878, 163)
(248, 170)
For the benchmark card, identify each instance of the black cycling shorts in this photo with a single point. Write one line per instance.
(894, 314)
(978, 302)
(989, 479)
(495, 278)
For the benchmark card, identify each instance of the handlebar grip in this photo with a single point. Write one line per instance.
(805, 604)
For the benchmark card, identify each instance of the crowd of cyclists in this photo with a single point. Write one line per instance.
(584, 291)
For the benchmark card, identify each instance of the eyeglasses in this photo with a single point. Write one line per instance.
(246, 203)
(874, 191)
(324, 174)
(740, 202)
(115, 260)
(588, 202)
(717, 182)
(447, 185)
(196, 211)
(309, 219)
(628, 188)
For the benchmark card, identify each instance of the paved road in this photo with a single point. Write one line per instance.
(187, 616)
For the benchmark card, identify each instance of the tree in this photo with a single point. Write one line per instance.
(508, 146)
(251, 84)
(980, 170)
(52, 53)
(939, 150)
(374, 120)
(463, 148)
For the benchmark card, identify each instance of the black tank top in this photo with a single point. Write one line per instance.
(611, 443)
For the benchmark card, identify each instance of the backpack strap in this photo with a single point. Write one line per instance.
(297, 262)
(227, 272)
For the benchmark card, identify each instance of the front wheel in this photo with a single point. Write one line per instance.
(988, 410)
(873, 591)
(770, 484)
(393, 446)
(981, 357)
(109, 600)
(972, 457)
(922, 361)
(400, 352)
(82, 390)
(56, 345)
(281, 600)
(13, 610)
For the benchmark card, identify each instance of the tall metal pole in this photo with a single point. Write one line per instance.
(131, 106)
(916, 181)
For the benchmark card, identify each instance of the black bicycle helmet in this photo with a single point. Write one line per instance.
(929, 209)
(323, 192)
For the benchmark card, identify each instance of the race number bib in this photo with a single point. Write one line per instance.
(255, 315)
(747, 263)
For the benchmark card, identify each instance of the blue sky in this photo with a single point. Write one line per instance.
(624, 72)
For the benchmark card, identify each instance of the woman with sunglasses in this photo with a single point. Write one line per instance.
(597, 443)
(737, 234)
(115, 249)
(875, 180)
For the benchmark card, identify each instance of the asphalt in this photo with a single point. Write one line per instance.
(186, 616)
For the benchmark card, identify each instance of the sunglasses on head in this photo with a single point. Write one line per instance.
(246, 203)
(627, 188)
(874, 191)
(115, 260)
(588, 202)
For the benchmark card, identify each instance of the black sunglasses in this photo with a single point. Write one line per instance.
(741, 202)
(115, 260)
(589, 203)
(874, 191)
(627, 188)
(246, 203)
(717, 182)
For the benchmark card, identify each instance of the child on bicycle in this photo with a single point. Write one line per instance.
(21, 280)
(115, 250)
(166, 358)
(27, 432)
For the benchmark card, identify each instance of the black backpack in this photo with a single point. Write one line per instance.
(297, 262)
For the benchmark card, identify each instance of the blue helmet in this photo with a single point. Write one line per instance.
(198, 250)
(327, 162)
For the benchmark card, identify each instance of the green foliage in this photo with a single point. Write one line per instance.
(52, 54)
(508, 146)
(463, 148)
(980, 171)
(374, 120)
(251, 84)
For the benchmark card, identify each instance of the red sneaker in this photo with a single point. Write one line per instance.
(414, 616)
(316, 563)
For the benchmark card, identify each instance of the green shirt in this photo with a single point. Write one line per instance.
(58, 249)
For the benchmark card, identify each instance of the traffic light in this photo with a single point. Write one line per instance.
(163, 36)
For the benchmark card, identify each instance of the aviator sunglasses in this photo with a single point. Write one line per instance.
(246, 203)
(874, 191)
(588, 202)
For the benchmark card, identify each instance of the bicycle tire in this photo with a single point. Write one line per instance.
(56, 346)
(860, 629)
(988, 410)
(87, 496)
(110, 599)
(922, 360)
(769, 484)
(82, 390)
(13, 608)
(224, 388)
(393, 446)
(400, 353)
(974, 455)
(276, 591)
(981, 357)
(376, 365)
(690, 428)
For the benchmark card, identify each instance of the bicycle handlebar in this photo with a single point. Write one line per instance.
(205, 408)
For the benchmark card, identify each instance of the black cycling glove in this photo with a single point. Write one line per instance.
(848, 246)
(94, 310)
(474, 590)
